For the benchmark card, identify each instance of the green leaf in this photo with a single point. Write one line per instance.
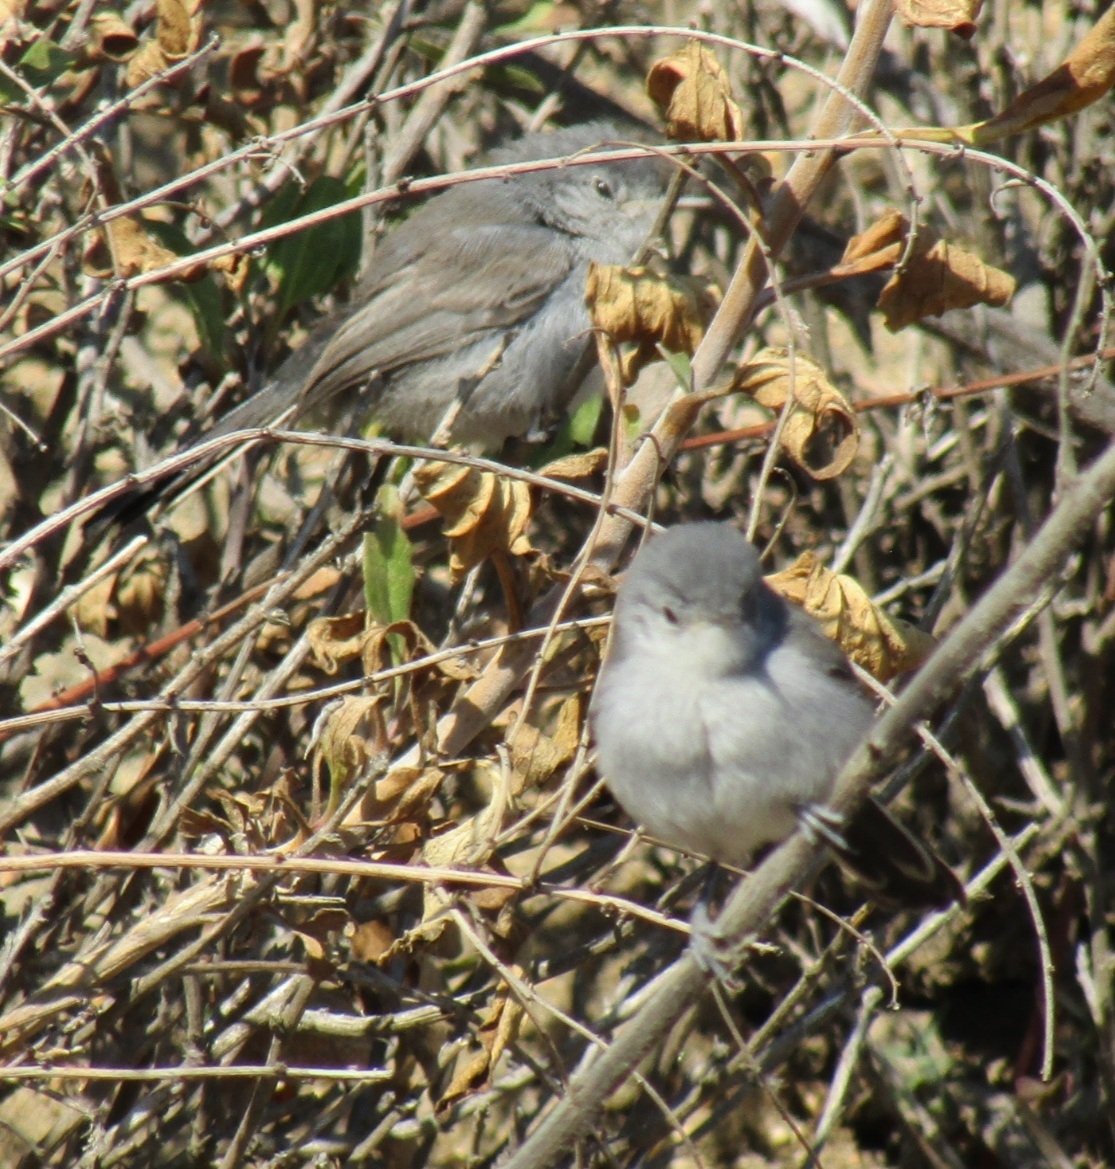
(313, 261)
(681, 366)
(202, 297)
(45, 61)
(584, 420)
(388, 563)
(574, 432)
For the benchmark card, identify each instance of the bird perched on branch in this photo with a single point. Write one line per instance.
(471, 319)
(723, 716)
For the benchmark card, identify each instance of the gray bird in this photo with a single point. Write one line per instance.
(477, 298)
(723, 715)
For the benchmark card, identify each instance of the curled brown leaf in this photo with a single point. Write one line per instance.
(882, 645)
(821, 434)
(958, 16)
(935, 276)
(483, 512)
(694, 95)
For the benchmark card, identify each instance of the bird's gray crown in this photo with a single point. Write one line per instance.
(614, 204)
(709, 567)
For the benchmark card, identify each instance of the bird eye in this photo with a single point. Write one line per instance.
(603, 188)
(670, 615)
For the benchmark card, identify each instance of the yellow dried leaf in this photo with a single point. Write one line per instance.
(821, 412)
(300, 31)
(1086, 75)
(482, 512)
(140, 595)
(123, 246)
(637, 305)
(470, 843)
(126, 250)
(937, 276)
(386, 645)
(883, 646)
(176, 30)
(694, 95)
(315, 951)
(146, 62)
(321, 581)
(369, 941)
(234, 268)
(95, 609)
(405, 789)
(113, 38)
(582, 465)
(958, 16)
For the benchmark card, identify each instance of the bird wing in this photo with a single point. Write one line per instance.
(428, 303)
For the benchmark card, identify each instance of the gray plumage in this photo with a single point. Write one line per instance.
(487, 276)
(722, 715)
(720, 712)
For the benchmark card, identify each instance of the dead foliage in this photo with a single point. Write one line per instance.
(296, 868)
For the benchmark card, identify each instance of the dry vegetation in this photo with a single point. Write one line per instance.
(477, 921)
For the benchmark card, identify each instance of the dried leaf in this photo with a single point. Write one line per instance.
(404, 790)
(958, 16)
(536, 755)
(300, 31)
(390, 645)
(499, 1027)
(113, 38)
(581, 465)
(694, 95)
(95, 609)
(483, 512)
(140, 594)
(127, 250)
(233, 267)
(315, 950)
(820, 409)
(175, 29)
(877, 247)
(881, 645)
(635, 304)
(369, 941)
(321, 581)
(244, 79)
(469, 844)
(334, 640)
(939, 276)
(124, 246)
(352, 735)
(1086, 75)
(936, 277)
(178, 27)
